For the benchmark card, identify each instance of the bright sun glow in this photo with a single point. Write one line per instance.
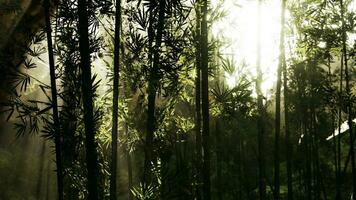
(239, 28)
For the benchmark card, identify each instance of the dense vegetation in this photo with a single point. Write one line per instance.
(135, 103)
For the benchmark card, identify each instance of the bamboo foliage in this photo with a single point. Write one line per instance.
(152, 99)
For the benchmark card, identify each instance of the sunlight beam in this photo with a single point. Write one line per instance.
(240, 30)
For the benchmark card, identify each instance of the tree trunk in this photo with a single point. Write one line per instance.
(261, 113)
(115, 116)
(205, 101)
(57, 136)
(198, 164)
(152, 90)
(88, 102)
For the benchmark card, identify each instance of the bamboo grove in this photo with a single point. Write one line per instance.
(134, 102)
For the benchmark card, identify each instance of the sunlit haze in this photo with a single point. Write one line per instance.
(239, 28)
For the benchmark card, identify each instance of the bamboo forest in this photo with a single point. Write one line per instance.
(177, 99)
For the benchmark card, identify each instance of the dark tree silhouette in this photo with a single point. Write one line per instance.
(88, 104)
(114, 145)
(152, 91)
(198, 139)
(57, 135)
(205, 101)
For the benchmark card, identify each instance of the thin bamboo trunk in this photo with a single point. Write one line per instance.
(198, 139)
(57, 139)
(88, 102)
(205, 101)
(152, 90)
(115, 115)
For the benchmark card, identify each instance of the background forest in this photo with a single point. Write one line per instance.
(177, 99)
